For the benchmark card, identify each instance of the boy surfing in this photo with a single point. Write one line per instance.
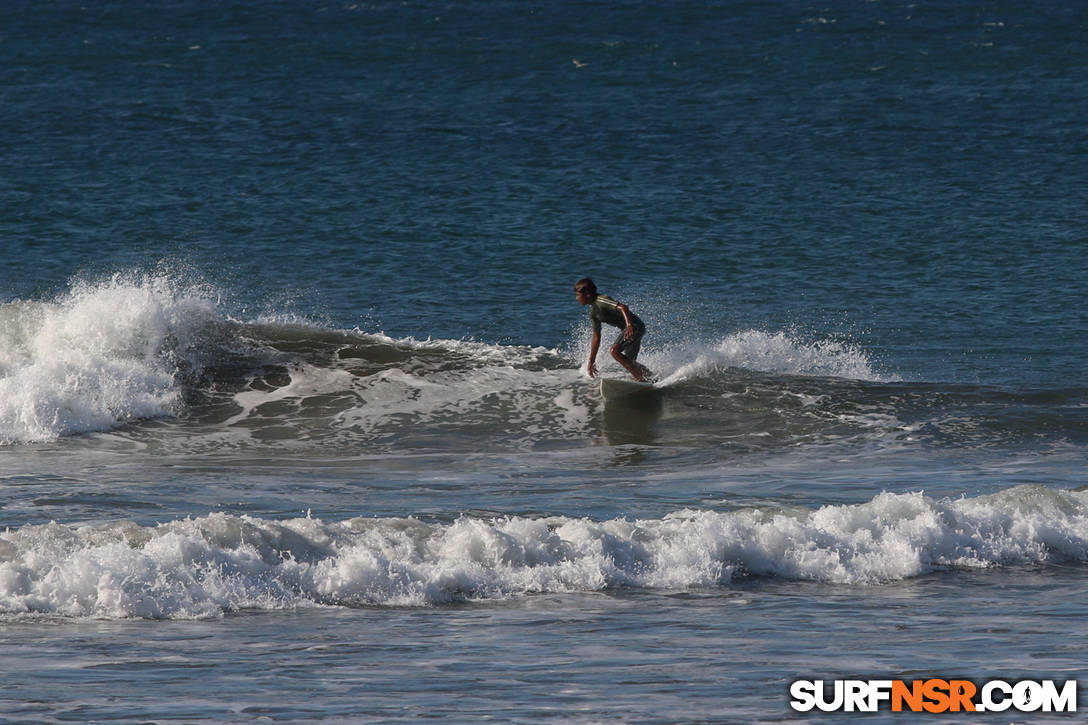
(603, 308)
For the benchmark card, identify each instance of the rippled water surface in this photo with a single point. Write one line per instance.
(294, 419)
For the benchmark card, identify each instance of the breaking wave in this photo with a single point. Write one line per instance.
(136, 347)
(204, 567)
(133, 348)
(100, 356)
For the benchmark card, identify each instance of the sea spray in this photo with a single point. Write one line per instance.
(104, 354)
(768, 352)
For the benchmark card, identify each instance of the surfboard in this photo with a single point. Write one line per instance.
(615, 389)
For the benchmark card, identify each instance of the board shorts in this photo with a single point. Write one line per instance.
(629, 348)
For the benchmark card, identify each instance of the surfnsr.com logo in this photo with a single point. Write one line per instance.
(933, 695)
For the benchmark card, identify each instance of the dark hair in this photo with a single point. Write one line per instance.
(585, 283)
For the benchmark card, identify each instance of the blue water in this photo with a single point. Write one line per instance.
(294, 419)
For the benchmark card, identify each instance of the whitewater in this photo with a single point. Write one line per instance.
(218, 564)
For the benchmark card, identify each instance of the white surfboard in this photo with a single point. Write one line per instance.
(614, 388)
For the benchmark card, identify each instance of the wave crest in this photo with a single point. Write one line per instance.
(206, 566)
(102, 355)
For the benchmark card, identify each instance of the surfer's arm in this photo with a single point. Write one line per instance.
(594, 345)
(629, 331)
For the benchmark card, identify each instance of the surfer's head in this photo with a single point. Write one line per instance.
(585, 291)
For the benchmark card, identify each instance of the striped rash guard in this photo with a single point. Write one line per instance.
(605, 309)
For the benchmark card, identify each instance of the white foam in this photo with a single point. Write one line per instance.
(770, 352)
(305, 380)
(102, 355)
(462, 397)
(219, 563)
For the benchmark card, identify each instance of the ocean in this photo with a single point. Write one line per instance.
(295, 423)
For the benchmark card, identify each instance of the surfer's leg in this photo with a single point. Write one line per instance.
(624, 352)
(638, 372)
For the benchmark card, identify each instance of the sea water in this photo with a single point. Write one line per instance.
(294, 417)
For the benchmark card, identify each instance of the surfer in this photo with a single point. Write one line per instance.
(603, 308)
